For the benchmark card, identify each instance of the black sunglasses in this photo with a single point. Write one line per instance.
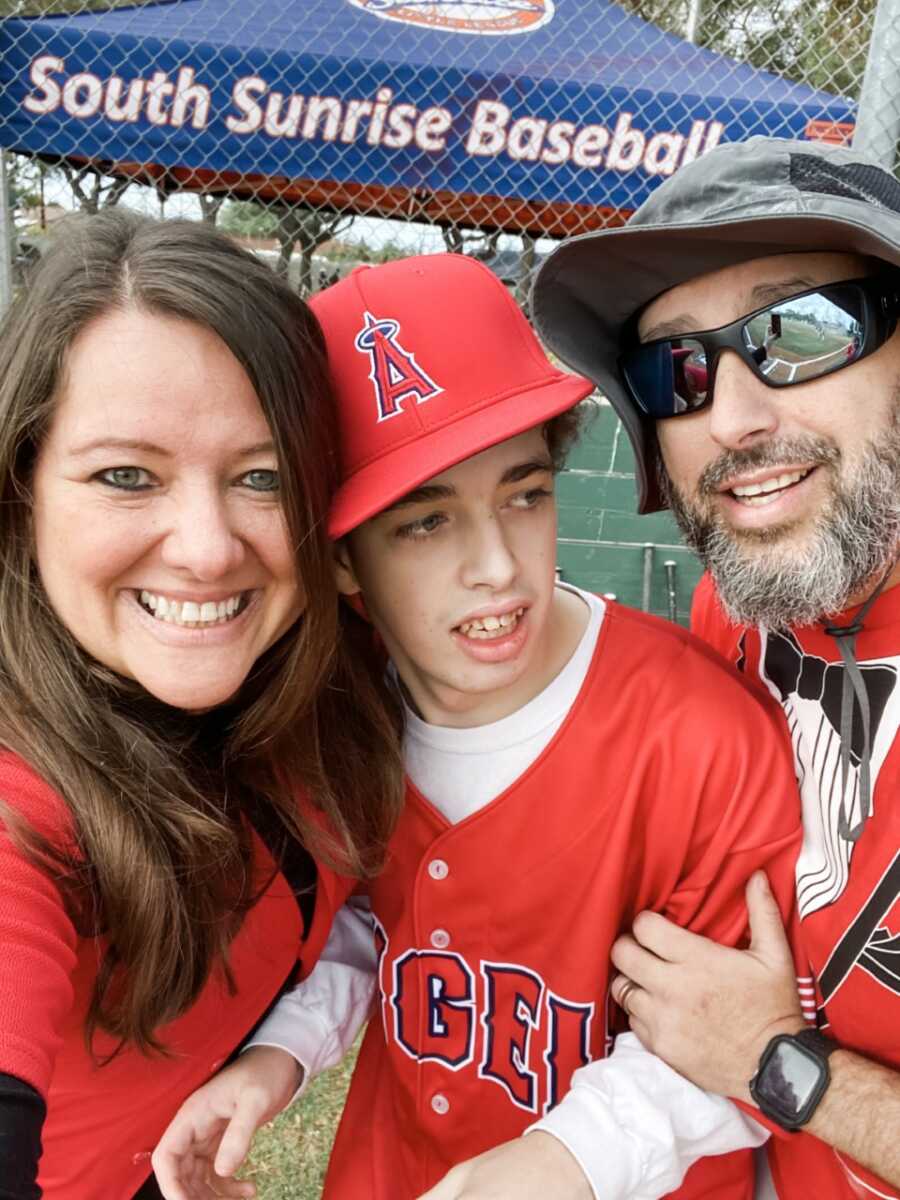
(794, 340)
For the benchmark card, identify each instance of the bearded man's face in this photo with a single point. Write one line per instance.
(791, 496)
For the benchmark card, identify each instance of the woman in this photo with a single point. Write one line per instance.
(172, 682)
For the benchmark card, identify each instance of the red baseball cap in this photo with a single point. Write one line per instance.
(432, 361)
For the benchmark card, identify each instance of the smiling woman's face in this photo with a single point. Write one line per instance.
(158, 527)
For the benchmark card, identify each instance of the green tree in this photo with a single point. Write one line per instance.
(210, 207)
(49, 8)
(92, 189)
(362, 252)
(22, 184)
(248, 219)
(294, 226)
(823, 43)
(476, 243)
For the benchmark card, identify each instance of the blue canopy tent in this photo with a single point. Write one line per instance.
(531, 115)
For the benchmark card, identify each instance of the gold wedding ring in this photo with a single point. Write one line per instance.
(627, 988)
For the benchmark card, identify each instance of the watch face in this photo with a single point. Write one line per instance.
(790, 1078)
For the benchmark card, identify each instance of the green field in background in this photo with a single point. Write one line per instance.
(290, 1155)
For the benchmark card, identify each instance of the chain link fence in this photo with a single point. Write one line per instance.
(324, 133)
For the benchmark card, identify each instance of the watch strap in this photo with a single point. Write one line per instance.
(817, 1042)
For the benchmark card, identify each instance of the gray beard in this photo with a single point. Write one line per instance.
(779, 577)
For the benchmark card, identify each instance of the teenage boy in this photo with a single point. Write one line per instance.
(571, 763)
(750, 346)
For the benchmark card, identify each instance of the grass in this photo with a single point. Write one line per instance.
(290, 1155)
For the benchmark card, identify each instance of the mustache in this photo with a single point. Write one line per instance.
(816, 450)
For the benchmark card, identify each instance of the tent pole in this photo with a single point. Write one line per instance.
(693, 20)
(878, 123)
(6, 238)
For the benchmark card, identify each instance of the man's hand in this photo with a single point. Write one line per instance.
(535, 1167)
(709, 1011)
(210, 1135)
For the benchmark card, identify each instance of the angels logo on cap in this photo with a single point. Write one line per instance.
(439, 328)
(394, 372)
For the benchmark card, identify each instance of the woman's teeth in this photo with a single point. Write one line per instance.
(190, 613)
(757, 494)
(485, 628)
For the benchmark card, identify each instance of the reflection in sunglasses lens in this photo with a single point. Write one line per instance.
(805, 336)
(689, 373)
(794, 340)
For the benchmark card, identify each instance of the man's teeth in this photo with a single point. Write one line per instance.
(189, 612)
(761, 493)
(491, 627)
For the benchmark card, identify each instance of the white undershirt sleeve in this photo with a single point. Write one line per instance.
(635, 1126)
(317, 1022)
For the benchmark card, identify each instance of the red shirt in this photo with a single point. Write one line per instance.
(667, 785)
(848, 891)
(103, 1121)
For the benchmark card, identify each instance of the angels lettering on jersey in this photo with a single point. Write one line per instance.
(500, 1019)
(809, 689)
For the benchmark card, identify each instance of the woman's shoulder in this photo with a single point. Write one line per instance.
(39, 939)
(25, 794)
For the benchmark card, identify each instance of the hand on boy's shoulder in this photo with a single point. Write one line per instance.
(535, 1167)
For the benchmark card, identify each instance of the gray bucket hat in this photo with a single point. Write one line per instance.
(740, 201)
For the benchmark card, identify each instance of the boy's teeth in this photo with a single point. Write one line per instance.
(189, 612)
(488, 627)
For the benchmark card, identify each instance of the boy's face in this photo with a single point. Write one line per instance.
(458, 579)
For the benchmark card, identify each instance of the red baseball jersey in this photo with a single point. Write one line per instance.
(848, 891)
(668, 783)
(103, 1121)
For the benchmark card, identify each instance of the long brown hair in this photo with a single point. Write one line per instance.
(159, 799)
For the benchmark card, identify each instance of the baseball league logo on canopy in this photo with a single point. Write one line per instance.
(548, 115)
(464, 16)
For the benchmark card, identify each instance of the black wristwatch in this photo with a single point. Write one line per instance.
(792, 1077)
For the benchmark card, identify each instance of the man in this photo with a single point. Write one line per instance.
(744, 325)
(570, 763)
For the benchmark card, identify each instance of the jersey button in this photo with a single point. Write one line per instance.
(440, 1104)
(438, 869)
(440, 939)
(141, 1157)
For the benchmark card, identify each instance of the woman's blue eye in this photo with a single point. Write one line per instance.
(128, 479)
(262, 481)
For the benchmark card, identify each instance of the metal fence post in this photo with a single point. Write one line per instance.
(6, 239)
(694, 13)
(878, 123)
(647, 576)
(671, 568)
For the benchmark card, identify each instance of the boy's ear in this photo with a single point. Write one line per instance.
(344, 575)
